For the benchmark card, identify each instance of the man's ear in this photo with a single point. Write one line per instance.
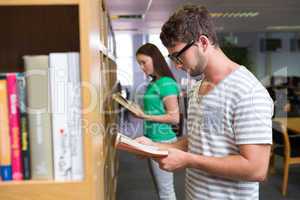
(203, 41)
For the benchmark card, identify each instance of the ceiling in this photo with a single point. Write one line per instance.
(284, 13)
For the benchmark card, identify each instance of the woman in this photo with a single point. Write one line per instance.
(161, 111)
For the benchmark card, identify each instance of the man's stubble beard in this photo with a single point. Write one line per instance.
(200, 66)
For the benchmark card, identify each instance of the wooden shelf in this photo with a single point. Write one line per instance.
(36, 190)
(37, 182)
(108, 54)
(75, 26)
(38, 2)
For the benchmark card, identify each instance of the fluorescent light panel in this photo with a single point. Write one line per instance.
(278, 28)
(234, 14)
(129, 16)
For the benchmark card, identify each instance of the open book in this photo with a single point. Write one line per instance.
(132, 107)
(125, 143)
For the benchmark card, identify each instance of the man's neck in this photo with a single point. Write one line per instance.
(219, 67)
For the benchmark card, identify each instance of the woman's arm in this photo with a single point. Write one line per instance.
(172, 111)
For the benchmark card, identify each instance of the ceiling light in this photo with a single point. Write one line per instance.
(234, 14)
(280, 28)
(126, 29)
(115, 17)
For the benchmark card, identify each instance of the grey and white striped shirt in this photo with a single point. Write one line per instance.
(237, 111)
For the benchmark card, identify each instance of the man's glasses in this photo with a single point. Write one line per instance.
(175, 57)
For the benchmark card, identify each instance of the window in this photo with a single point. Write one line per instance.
(124, 59)
(154, 39)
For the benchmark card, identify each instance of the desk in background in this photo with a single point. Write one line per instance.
(291, 123)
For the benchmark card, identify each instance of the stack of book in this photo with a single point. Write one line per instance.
(40, 120)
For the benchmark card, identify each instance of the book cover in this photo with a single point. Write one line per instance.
(24, 126)
(14, 126)
(39, 118)
(125, 143)
(5, 148)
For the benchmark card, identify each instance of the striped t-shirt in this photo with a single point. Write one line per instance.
(236, 111)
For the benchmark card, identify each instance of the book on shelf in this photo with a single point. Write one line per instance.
(24, 126)
(125, 143)
(66, 116)
(129, 105)
(39, 118)
(14, 126)
(58, 65)
(5, 147)
(74, 116)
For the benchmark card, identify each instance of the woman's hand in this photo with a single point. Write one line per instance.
(139, 112)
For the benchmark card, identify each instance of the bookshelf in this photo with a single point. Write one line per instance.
(44, 26)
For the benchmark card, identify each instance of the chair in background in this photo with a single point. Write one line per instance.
(287, 145)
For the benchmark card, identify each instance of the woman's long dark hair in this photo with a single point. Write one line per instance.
(159, 63)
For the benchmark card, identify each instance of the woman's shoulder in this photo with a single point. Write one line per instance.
(166, 79)
(167, 82)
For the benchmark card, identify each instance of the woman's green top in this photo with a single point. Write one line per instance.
(154, 105)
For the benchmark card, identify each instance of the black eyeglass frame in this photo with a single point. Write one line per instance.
(175, 57)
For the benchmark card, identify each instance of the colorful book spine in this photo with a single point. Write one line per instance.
(14, 123)
(24, 127)
(5, 148)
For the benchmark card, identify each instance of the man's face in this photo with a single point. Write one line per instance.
(189, 57)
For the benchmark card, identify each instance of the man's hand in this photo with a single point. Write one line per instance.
(175, 160)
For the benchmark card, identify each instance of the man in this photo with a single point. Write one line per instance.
(227, 148)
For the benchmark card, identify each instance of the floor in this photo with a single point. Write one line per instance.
(134, 181)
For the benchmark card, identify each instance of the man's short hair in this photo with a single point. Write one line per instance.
(188, 23)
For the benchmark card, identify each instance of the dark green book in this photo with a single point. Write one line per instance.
(25, 147)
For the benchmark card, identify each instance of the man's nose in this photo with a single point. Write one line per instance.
(178, 65)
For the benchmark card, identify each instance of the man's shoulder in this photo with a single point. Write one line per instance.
(245, 82)
(244, 76)
(249, 88)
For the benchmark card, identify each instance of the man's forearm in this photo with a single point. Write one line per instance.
(181, 144)
(235, 167)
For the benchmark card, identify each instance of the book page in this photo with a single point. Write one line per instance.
(134, 108)
(144, 147)
(125, 143)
